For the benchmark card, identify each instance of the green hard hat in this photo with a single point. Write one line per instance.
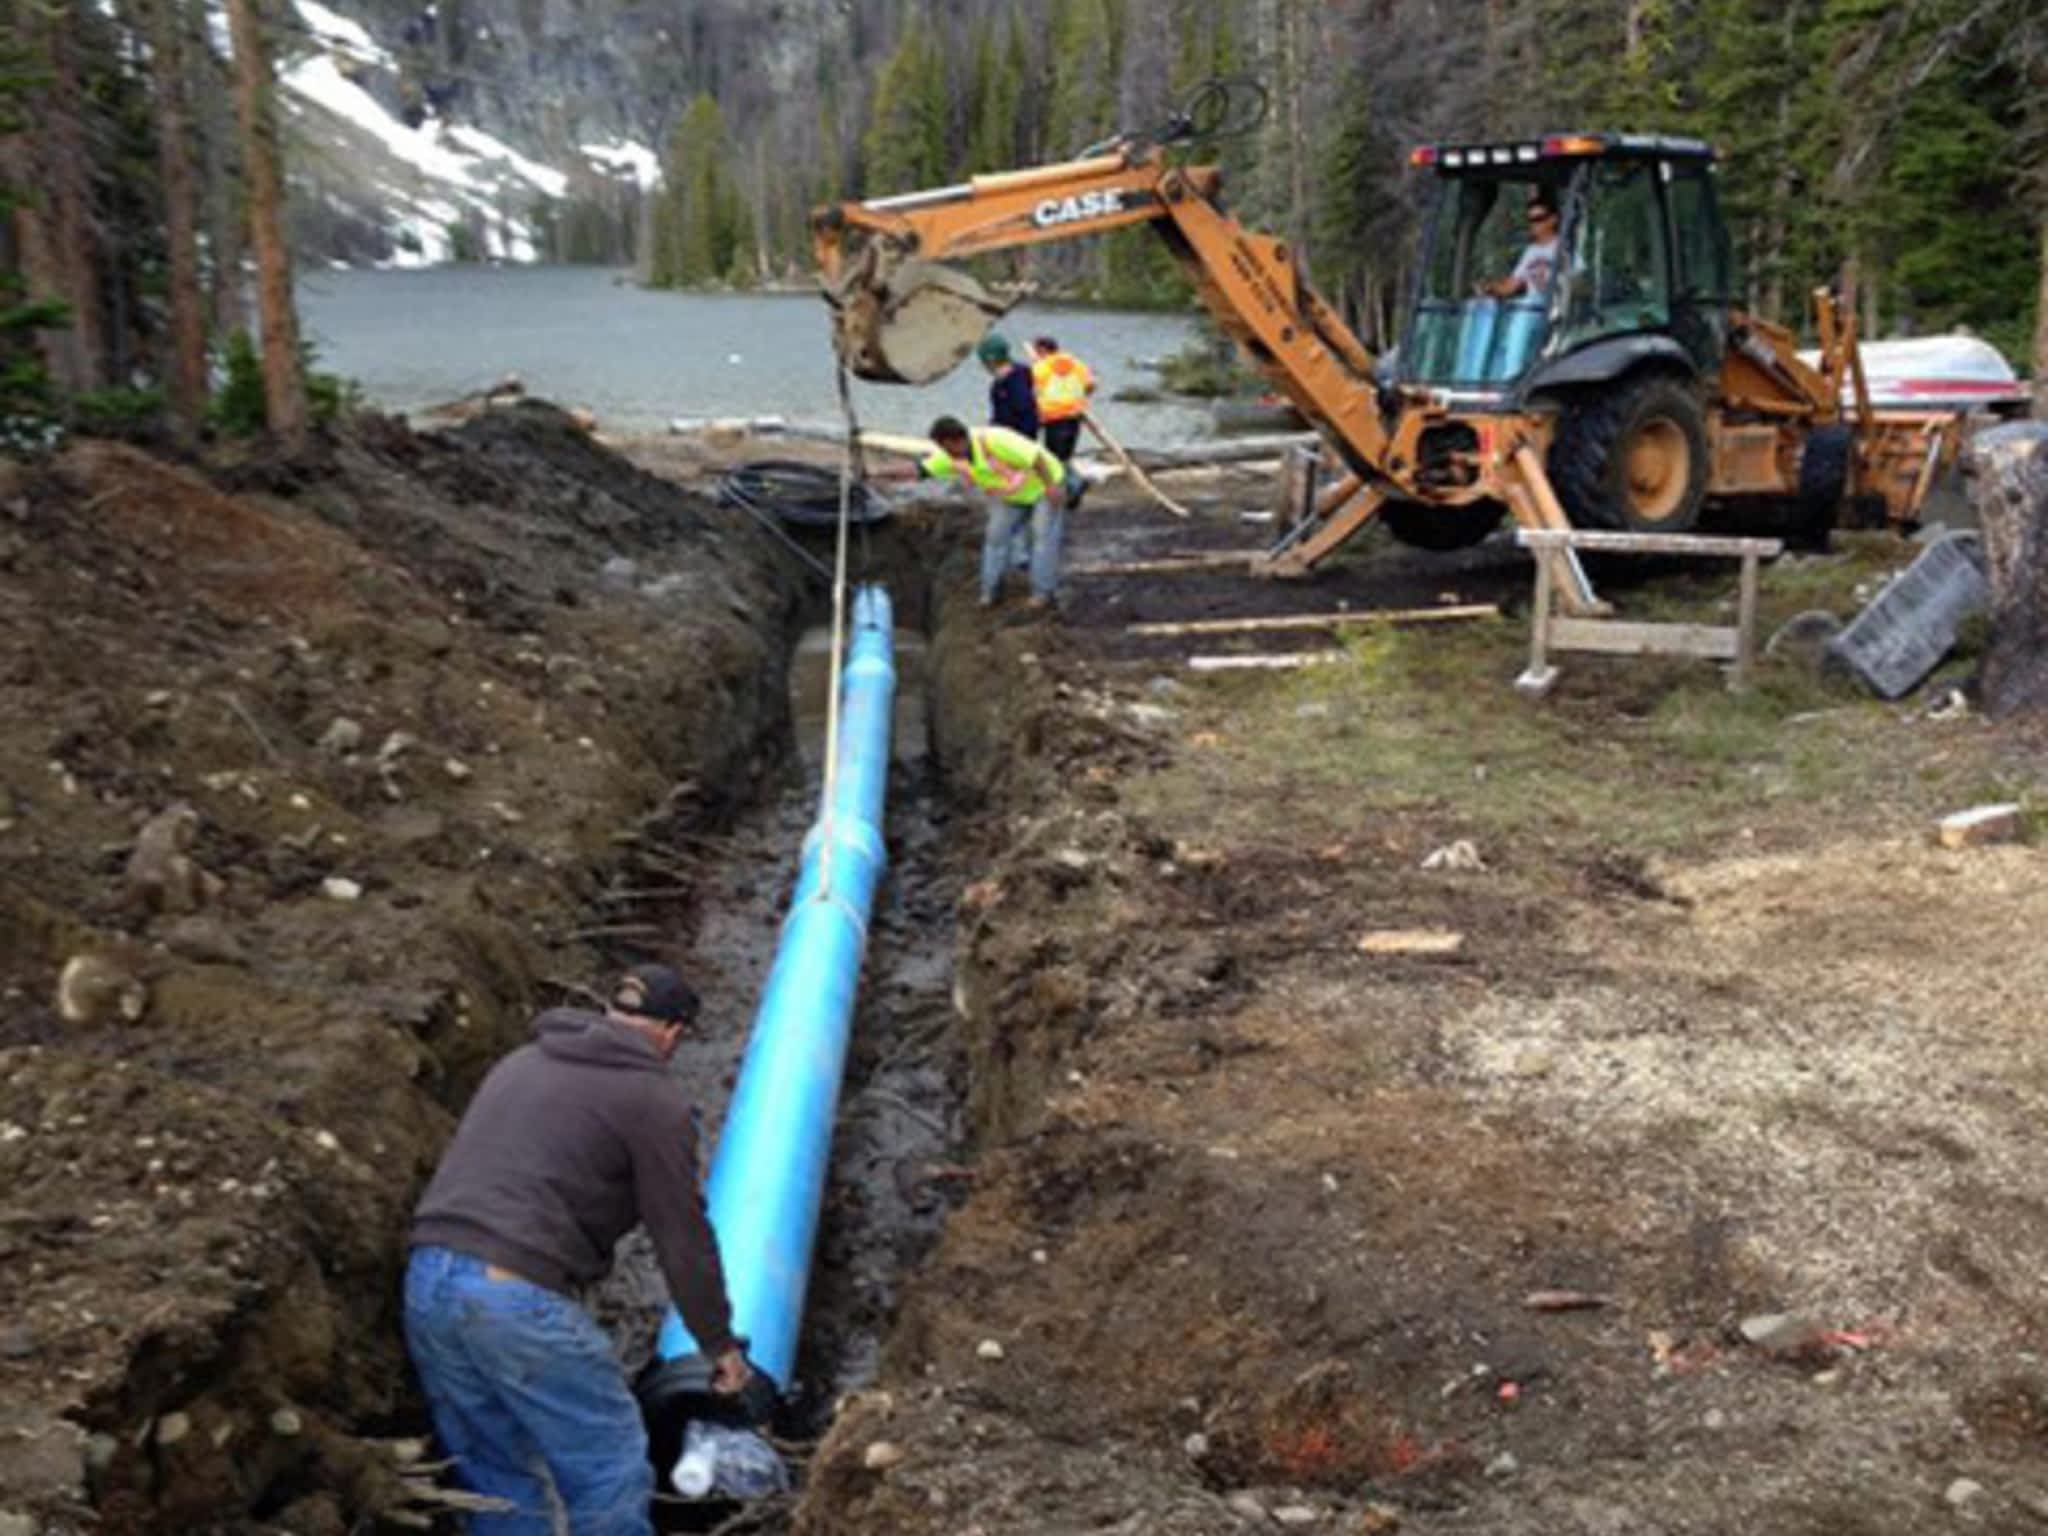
(993, 349)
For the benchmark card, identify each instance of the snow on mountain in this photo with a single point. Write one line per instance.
(373, 188)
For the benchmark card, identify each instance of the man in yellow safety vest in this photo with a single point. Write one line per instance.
(1063, 385)
(1023, 482)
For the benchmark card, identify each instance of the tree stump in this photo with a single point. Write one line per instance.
(2008, 467)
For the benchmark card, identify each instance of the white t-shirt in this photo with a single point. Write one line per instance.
(1538, 261)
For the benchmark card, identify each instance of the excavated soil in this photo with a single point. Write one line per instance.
(1245, 1223)
(1261, 1224)
(448, 719)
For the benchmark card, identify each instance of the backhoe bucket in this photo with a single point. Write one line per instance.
(911, 322)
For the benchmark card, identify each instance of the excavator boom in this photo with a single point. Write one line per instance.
(901, 315)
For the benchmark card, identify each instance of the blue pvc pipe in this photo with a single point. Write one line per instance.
(768, 1178)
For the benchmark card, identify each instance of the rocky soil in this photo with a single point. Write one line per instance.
(315, 781)
(1700, 1189)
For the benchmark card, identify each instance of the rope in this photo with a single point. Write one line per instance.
(847, 464)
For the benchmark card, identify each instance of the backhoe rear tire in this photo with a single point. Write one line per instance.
(1442, 529)
(1632, 456)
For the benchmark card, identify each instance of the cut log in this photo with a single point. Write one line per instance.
(1319, 620)
(1264, 661)
(2008, 469)
(1233, 452)
(1222, 560)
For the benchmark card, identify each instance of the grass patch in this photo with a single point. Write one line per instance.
(1643, 755)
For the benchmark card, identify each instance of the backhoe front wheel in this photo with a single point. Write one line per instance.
(1632, 456)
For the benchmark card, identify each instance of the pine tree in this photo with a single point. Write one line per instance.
(185, 364)
(284, 379)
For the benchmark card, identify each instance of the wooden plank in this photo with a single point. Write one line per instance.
(1620, 637)
(1270, 446)
(1432, 942)
(1745, 624)
(1647, 543)
(1143, 481)
(1168, 564)
(1264, 661)
(1319, 620)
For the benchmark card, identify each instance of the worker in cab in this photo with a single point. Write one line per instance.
(571, 1141)
(1537, 265)
(1023, 484)
(1063, 386)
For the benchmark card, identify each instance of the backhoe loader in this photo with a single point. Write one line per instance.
(1622, 394)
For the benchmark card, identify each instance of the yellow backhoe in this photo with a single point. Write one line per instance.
(1622, 392)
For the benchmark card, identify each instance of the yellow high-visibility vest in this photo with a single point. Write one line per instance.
(1001, 462)
(1061, 382)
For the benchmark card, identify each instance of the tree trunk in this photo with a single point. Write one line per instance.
(284, 379)
(2041, 329)
(2009, 484)
(60, 248)
(185, 368)
(225, 223)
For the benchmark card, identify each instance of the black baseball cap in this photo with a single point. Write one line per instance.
(655, 992)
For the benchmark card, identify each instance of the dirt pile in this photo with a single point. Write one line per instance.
(322, 781)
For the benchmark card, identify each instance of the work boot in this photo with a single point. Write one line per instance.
(1076, 489)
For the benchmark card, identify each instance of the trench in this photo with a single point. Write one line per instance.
(900, 1117)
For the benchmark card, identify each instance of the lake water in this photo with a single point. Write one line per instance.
(585, 336)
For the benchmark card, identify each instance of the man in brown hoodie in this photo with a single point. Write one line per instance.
(571, 1141)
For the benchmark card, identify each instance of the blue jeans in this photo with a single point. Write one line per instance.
(1005, 523)
(526, 1393)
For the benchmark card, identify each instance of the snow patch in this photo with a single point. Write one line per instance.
(337, 30)
(623, 155)
(484, 147)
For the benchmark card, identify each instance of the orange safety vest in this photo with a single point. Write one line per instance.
(1061, 382)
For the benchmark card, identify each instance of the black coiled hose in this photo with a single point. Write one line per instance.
(796, 494)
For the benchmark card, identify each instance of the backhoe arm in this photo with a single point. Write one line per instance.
(901, 316)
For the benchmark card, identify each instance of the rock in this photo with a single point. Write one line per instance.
(1780, 1333)
(1164, 688)
(1802, 640)
(342, 736)
(1297, 1514)
(2008, 468)
(172, 1428)
(619, 571)
(1314, 709)
(100, 988)
(881, 1455)
(161, 874)
(988, 1349)
(205, 941)
(100, 1451)
(341, 888)
(1979, 825)
(17, 1344)
(1503, 1466)
(457, 770)
(1195, 1447)
(1152, 716)
(431, 635)
(395, 746)
(1245, 1506)
(286, 1422)
(1715, 1419)
(1963, 1492)
(1533, 1061)
(1458, 857)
